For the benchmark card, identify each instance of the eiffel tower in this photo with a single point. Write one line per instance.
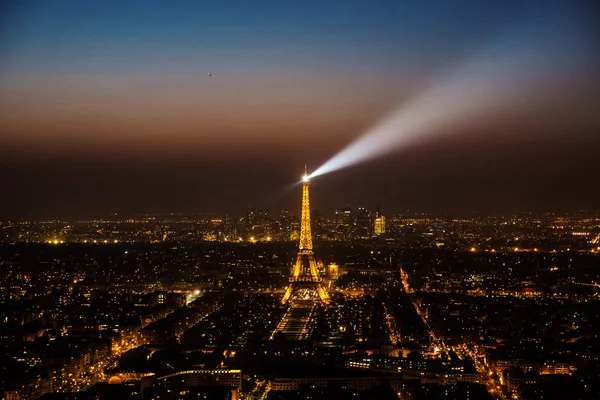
(305, 274)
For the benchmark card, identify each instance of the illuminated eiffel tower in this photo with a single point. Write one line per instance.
(305, 274)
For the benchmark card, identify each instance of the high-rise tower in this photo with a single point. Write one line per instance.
(379, 223)
(305, 274)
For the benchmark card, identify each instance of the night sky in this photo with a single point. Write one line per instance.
(108, 106)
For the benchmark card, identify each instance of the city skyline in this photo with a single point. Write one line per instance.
(422, 308)
(299, 200)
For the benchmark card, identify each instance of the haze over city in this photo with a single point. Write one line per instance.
(217, 106)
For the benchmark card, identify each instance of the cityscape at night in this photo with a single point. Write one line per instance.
(282, 200)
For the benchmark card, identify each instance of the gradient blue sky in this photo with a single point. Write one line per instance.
(191, 36)
(82, 81)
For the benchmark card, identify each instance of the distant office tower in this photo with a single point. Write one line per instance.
(364, 223)
(305, 274)
(379, 223)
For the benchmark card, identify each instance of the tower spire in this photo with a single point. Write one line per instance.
(305, 269)
(305, 231)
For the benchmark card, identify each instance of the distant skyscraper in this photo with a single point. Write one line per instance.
(364, 223)
(379, 225)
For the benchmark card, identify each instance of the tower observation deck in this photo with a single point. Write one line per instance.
(304, 273)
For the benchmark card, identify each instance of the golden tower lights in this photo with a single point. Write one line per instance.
(305, 272)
